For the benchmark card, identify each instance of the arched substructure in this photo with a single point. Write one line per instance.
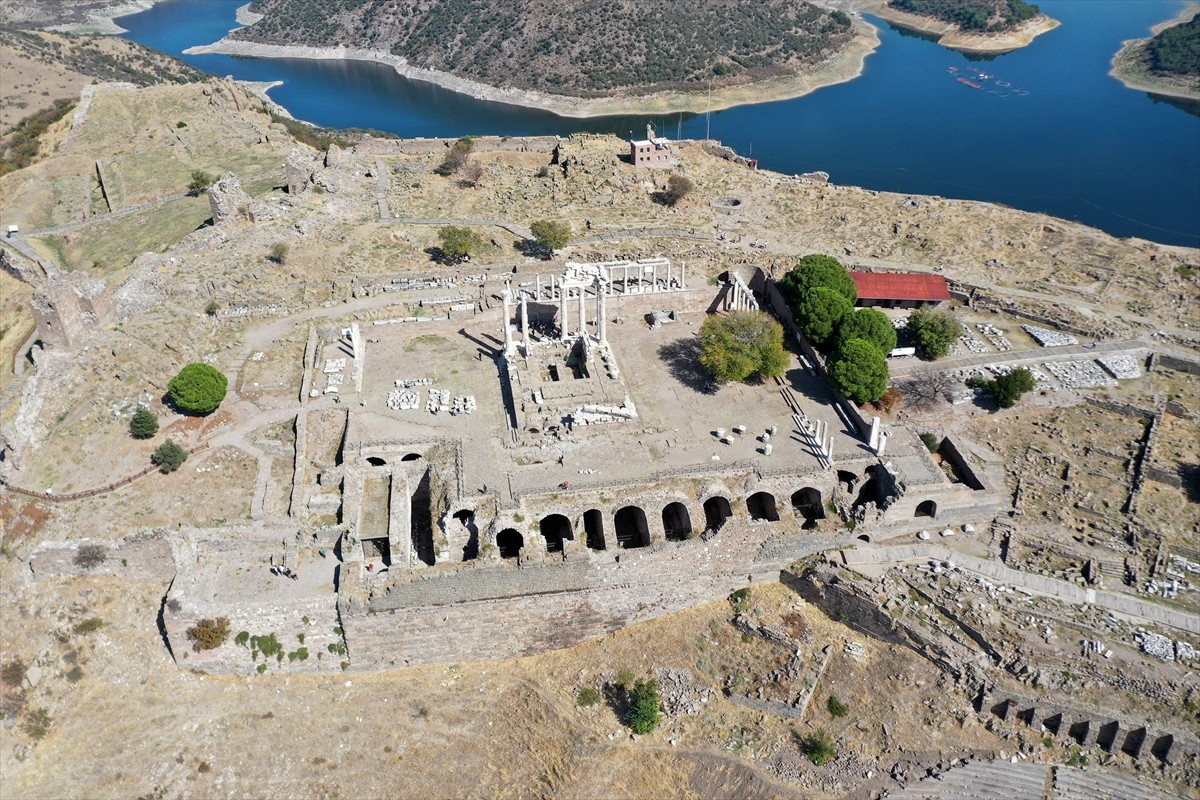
(926, 508)
(716, 511)
(847, 480)
(509, 542)
(864, 538)
(412, 457)
(761, 505)
(631, 527)
(555, 528)
(808, 506)
(872, 490)
(677, 522)
(593, 528)
(376, 461)
(466, 518)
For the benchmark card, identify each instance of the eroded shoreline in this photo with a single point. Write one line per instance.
(1127, 64)
(845, 66)
(953, 38)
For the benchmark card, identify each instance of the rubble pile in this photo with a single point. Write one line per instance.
(1080, 374)
(1121, 366)
(679, 692)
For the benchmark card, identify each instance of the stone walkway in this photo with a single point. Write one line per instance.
(908, 369)
(1038, 584)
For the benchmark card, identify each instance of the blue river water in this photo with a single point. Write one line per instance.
(1043, 128)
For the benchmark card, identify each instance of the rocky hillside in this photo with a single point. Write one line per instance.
(990, 16)
(40, 67)
(582, 48)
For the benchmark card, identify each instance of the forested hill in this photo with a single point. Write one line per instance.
(982, 16)
(1177, 49)
(582, 48)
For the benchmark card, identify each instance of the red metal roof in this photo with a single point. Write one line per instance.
(900, 286)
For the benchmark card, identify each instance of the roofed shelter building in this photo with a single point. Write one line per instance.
(900, 289)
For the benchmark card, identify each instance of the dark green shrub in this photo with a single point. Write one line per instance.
(643, 706)
(820, 747)
(89, 625)
(168, 456)
(931, 441)
(143, 424)
(836, 708)
(198, 389)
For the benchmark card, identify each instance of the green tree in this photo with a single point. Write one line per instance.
(550, 235)
(458, 243)
(820, 312)
(870, 325)
(200, 182)
(859, 371)
(644, 701)
(933, 332)
(168, 456)
(836, 707)
(198, 389)
(820, 747)
(740, 344)
(817, 270)
(1007, 389)
(144, 424)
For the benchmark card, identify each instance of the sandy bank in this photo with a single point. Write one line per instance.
(102, 21)
(955, 39)
(845, 66)
(1130, 66)
(247, 17)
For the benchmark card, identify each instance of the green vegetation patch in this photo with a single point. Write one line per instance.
(987, 16)
(1175, 50)
(578, 47)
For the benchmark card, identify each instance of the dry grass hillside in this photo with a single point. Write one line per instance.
(573, 47)
(40, 67)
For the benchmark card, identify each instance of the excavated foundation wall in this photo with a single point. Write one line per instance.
(510, 611)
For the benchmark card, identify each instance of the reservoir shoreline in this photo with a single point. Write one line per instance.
(1127, 64)
(954, 38)
(845, 66)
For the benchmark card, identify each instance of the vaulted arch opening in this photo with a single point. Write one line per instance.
(593, 528)
(716, 511)
(509, 542)
(376, 461)
(807, 504)
(631, 527)
(677, 523)
(554, 529)
(926, 508)
(761, 506)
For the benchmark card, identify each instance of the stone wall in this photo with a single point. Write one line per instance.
(142, 556)
(483, 144)
(507, 612)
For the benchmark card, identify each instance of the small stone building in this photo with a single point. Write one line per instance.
(653, 151)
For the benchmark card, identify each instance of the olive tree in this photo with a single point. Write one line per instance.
(742, 344)
(933, 332)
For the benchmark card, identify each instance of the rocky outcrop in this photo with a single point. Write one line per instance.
(229, 201)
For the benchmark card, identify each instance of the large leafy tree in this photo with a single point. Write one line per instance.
(870, 325)
(813, 271)
(820, 312)
(933, 332)
(198, 389)
(741, 344)
(550, 235)
(859, 371)
(458, 242)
